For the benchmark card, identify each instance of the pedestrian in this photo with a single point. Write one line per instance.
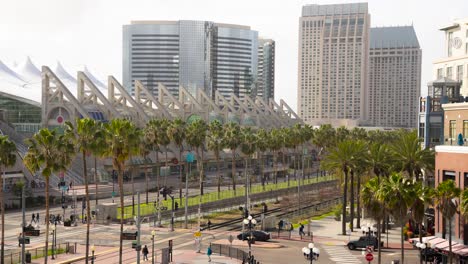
(209, 252)
(209, 224)
(71, 184)
(145, 253)
(301, 230)
(33, 219)
(37, 218)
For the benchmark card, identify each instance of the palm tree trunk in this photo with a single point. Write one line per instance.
(200, 165)
(133, 196)
(358, 201)
(233, 171)
(146, 179)
(2, 250)
(165, 165)
(181, 172)
(122, 209)
(46, 219)
(450, 240)
(246, 184)
(202, 173)
(96, 179)
(402, 225)
(88, 219)
(379, 252)
(275, 168)
(351, 206)
(345, 196)
(262, 168)
(158, 188)
(219, 176)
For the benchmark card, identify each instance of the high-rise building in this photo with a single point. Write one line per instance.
(333, 55)
(394, 77)
(193, 54)
(266, 69)
(455, 65)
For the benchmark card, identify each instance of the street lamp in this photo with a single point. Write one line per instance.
(250, 222)
(153, 233)
(311, 252)
(368, 230)
(53, 236)
(424, 246)
(92, 254)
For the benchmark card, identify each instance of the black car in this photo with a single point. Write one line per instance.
(363, 242)
(258, 235)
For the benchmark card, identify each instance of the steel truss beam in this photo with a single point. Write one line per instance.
(148, 101)
(57, 95)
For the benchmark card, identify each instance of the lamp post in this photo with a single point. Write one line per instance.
(92, 253)
(153, 233)
(311, 252)
(250, 222)
(424, 246)
(53, 235)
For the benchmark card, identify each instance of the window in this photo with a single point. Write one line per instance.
(439, 73)
(448, 175)
(460, 73)
(449, 44)
(452, 129)
(449, 73)
(465, 128)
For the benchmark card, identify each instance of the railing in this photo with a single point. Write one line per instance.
(454, 142)
(229, 251)
(39, 252)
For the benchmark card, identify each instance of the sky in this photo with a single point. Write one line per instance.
(89, 32)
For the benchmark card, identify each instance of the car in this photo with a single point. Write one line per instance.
(363, 242)
(257, 234)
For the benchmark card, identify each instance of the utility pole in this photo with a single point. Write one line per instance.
(23, 206)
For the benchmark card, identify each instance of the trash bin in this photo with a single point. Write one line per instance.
(27, 257)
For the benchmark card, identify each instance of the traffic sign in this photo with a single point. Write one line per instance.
(190, 157)
(197, 234)
(369, 257)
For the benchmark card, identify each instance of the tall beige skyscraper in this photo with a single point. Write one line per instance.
(394, 77)
(333, 51)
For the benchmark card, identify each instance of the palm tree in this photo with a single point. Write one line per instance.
(358, 166)
(151, 135)
(97, 149)
(324, 138)
(48, 153)
(307, 133)
(122, 141)
(396, 194)
(343, 158)
(145, 149)
(444, 196)
(248, 147)
(287, 142)
(196, 137)
(7, 159)
(164, 140)
(423, 197)
(275, 144)
(215, 144)
(410, 155)
(84, 139)
(176, 133)
(262, 146)
(231, 140)
(373, 206)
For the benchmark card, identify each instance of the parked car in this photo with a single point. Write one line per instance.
(363, 242)
(258, 235)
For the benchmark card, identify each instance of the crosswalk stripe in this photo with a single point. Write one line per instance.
(339, 254)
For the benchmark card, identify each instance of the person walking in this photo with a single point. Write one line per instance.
(145, 253)
(37, 218)
(209, 224)
(33, 218)
(209, 252)
(301, 230)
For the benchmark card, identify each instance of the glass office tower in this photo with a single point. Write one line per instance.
(193, 54)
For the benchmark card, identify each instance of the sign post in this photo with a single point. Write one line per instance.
(190, 158)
